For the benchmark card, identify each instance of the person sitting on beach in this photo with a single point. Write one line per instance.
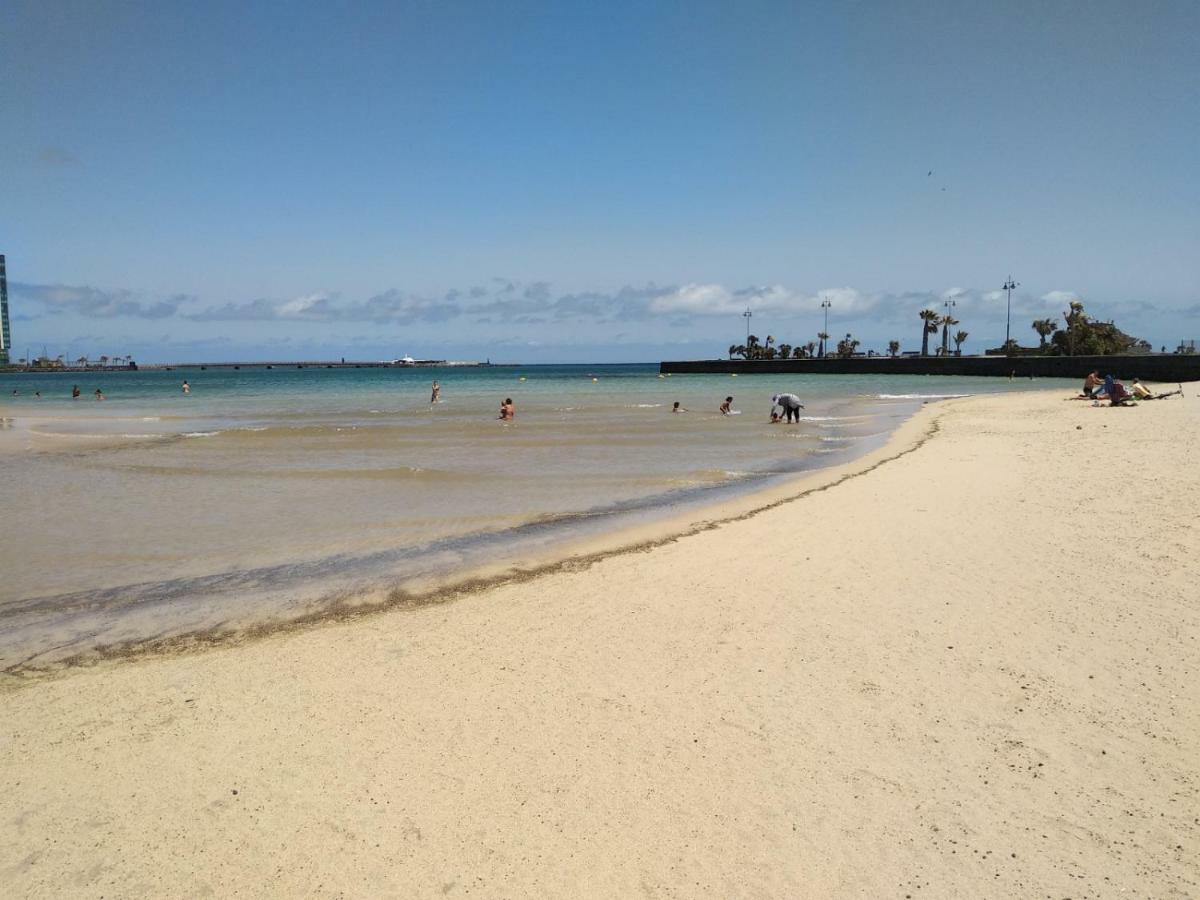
(1090, 383)
(1117, 395)
(726, 406)
(789, 403)
(1140, 391)
(676, 408)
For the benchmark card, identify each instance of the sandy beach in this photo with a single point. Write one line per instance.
(965, 665)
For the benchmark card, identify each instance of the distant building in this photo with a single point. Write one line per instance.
(5, 334)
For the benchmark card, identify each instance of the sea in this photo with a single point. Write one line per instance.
(264, 497)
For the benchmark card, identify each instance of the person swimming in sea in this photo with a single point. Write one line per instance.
(676, 408)
(99, 394)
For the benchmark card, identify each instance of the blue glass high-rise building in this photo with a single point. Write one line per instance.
(5, 334)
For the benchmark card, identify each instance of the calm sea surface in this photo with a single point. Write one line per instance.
(266, 495)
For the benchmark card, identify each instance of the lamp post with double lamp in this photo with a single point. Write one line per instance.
(1009, 287)
(949, 305)
(747, 316)
(825, 304)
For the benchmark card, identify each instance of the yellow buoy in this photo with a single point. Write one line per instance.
(595, 380)
(733, 374)
(522, 377)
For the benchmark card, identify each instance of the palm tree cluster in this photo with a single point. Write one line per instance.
(848, 346)
(753, 349)
(931, 320)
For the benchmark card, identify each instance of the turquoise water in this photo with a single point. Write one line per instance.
(266, 495)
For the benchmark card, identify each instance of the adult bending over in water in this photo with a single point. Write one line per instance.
(789, 403)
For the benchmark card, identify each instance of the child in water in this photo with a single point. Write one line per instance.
(726, 406)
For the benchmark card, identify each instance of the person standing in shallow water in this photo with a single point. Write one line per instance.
(789, 403)
(75, 392)
(435, 394)
(508, 411)
(726, 407)
(187, 388)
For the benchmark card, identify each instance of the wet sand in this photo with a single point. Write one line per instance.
(964, 665)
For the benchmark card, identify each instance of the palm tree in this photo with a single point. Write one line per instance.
(1044, 328)
(785, 351)
(81, 362)
(733, 348)
(960, 338)
(931, 320)
(823, 337)
(893, 349)
(947, 321)
(810, 348)
(753, 349)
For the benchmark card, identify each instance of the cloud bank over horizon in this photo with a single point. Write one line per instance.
(522, 318)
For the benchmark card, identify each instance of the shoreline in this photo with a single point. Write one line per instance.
(677, 515)
(971, 663)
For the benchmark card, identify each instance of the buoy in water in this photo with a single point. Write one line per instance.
(595, 380)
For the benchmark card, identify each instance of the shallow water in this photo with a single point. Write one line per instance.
(264, 495)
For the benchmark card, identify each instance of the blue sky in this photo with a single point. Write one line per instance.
(608, 181)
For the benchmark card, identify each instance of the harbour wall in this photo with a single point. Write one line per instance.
(1150, 367)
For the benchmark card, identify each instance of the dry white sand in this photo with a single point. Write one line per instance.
(974, 671)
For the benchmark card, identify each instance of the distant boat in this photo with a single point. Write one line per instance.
(405, 360)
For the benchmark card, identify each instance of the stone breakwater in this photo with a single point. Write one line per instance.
(1151, 367)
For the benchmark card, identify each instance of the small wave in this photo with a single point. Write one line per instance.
(200, 433)
(920, 396)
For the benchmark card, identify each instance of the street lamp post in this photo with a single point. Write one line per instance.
(1009, 287)
(825, 304)
(949, 304)
(747, 315)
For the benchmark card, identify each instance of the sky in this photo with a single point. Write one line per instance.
(556, 182)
